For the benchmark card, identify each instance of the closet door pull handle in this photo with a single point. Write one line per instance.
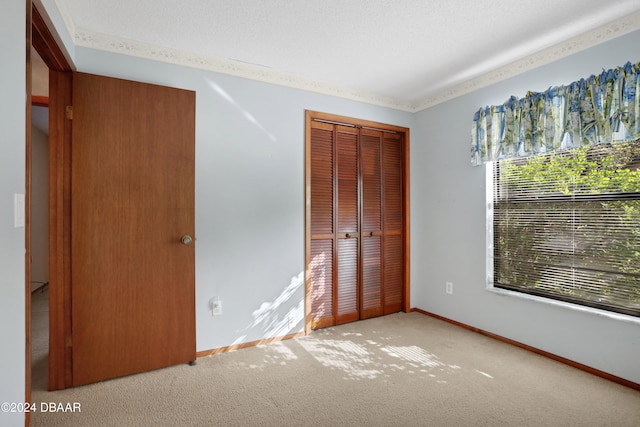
(347, 235)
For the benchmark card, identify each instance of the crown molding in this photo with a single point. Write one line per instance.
(89, 39)
(584, 41)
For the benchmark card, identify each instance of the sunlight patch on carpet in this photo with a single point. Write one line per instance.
(370, 360)
(347, 356)
(416, 356)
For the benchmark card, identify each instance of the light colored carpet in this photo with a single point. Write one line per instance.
(397, 370)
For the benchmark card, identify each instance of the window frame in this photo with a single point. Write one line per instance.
(579, 303)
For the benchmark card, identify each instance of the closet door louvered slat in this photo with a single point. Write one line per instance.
(371, 224)
(347, 223)
(347, 287)
(321, 269)
(321, 275)
(393, 256)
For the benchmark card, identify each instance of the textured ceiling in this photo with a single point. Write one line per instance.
(406, 54)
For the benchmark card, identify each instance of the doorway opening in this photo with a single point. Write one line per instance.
(46, 59)
(39, 235)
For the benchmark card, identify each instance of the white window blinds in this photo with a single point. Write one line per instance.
(566, 225)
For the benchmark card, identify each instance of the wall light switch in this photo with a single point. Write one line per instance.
(18, 210)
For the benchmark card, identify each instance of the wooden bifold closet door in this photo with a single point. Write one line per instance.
(355, 252)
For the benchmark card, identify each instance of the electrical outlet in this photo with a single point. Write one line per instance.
(449, 288)
(216, 306)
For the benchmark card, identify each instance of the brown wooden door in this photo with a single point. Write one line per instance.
(132, 199)
(356, 223)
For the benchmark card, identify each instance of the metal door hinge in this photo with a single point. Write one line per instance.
(69, 112)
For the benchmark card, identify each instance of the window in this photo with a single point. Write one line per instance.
(566, 226)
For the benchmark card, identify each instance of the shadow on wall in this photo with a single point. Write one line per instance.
(247, 115)
(281, 316)
(285, 315)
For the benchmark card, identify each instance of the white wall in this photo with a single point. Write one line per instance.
(448, 228)
(12, 180)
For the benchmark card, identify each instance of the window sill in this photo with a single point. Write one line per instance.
(567, 305)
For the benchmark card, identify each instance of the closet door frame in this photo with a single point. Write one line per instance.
(311, 116)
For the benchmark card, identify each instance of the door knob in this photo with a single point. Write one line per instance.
(187, 240)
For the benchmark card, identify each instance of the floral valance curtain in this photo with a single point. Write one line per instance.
(599, 109)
